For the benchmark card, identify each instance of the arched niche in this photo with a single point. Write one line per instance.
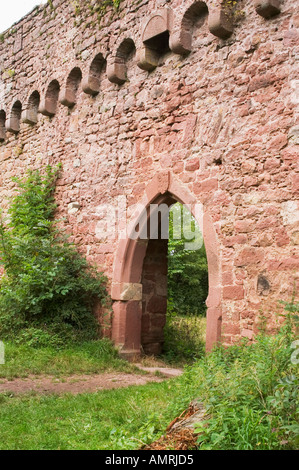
(2, 125)
(155, 39)
(91, 84)
(48, 105)
(117, 68)
(69, 95)
(13, 122)
(193, 18)
(29, 115)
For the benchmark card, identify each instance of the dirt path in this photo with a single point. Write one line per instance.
(76, 384)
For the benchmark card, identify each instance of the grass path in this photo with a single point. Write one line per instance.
(123, 418)
(76, 384)
(84, 397)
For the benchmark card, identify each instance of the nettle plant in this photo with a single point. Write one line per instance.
(47, 286)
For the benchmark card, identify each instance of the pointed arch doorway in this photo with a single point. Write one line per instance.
(139, 284)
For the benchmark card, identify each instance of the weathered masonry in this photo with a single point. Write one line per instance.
(159, 101)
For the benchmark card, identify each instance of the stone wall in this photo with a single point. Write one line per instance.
(193, 101)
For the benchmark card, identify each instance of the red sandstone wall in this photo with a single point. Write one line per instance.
(222, 120)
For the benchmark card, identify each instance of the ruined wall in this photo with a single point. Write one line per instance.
(203, 95)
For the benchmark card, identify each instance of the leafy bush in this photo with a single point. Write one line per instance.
(251, 395)
(47, 285)
(39, 338)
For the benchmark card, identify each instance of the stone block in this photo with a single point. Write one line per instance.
(267, 8)
(68, 97)
(13, 125)
(147, 59)
(180, 42)
(48, 107)
(220, 23)
(29, 116)
(91, 85)
(233, 292)
(116, 72)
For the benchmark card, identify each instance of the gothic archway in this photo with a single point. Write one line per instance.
(127, 283)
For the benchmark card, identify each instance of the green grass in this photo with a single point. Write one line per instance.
(250, 392)
(184, 338)
(111, 420)
(86, 358)
(184, 342)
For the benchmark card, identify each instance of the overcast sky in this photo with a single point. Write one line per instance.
(13, 10)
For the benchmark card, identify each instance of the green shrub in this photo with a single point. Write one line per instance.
(47, 285)
(250, 392)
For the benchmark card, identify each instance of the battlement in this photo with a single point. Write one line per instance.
(72, 65)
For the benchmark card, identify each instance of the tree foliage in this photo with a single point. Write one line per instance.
(187, 268)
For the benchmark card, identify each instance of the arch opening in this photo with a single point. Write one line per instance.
(126, 49)
(170, 272)
(159, 44)
(118, 67)
(156, 41)
(169, 275)
(91, 84)
(195, 16)
(187, 292)
(139, 288)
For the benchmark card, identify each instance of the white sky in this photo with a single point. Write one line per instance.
(13, 10)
